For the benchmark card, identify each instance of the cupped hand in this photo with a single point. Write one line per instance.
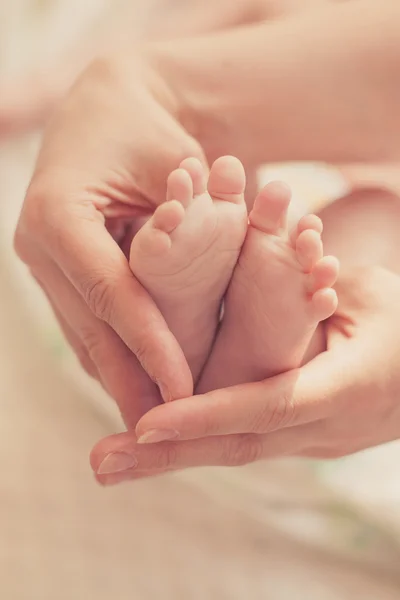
(343, 401)
(102, 167)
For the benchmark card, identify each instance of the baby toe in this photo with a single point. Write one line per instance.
(270, 208)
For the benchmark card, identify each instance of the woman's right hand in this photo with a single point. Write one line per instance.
(104, 163)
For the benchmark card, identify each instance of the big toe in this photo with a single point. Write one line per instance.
(227, 180)
(270, 208)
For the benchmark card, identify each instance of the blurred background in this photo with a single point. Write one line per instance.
(284, 530)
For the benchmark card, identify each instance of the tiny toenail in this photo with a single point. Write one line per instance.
(116, 462)
(153, 436)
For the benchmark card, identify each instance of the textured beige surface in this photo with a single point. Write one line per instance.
(278, 531)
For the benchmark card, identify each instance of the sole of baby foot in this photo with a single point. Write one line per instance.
(186, 253)
(280, 291)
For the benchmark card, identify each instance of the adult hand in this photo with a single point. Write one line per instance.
(344, 400)
(29, 102)
(107, 154)
(103, 165)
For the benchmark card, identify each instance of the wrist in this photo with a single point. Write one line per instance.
(265, 94)
(189, 84)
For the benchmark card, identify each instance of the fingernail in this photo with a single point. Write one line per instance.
(166, 396)
(116, 462)
(157, 435)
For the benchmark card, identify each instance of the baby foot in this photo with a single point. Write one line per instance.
(185, 254)
(280, 291)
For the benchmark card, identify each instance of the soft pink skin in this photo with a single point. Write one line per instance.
(343, 401)
(95, 181)
(280, 289)
(94, 175)
(185, 254)
(279, 293)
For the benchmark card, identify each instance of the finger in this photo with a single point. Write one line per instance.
(293, 398)
(77, 346)
(74, 341)
(119, 457)
(114, 479)
(96, 266)
(119, 370)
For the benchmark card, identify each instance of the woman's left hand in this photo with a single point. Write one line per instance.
(344, 400)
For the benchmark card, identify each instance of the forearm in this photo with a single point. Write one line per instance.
(322, 85)
(196, 17)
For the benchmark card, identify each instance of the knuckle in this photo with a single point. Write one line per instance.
(99, 296)
(242, 450)
(274, 416)
(143, 345)
(164, 456)
(102, 70)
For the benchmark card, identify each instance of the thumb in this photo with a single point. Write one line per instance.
(294, 398)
